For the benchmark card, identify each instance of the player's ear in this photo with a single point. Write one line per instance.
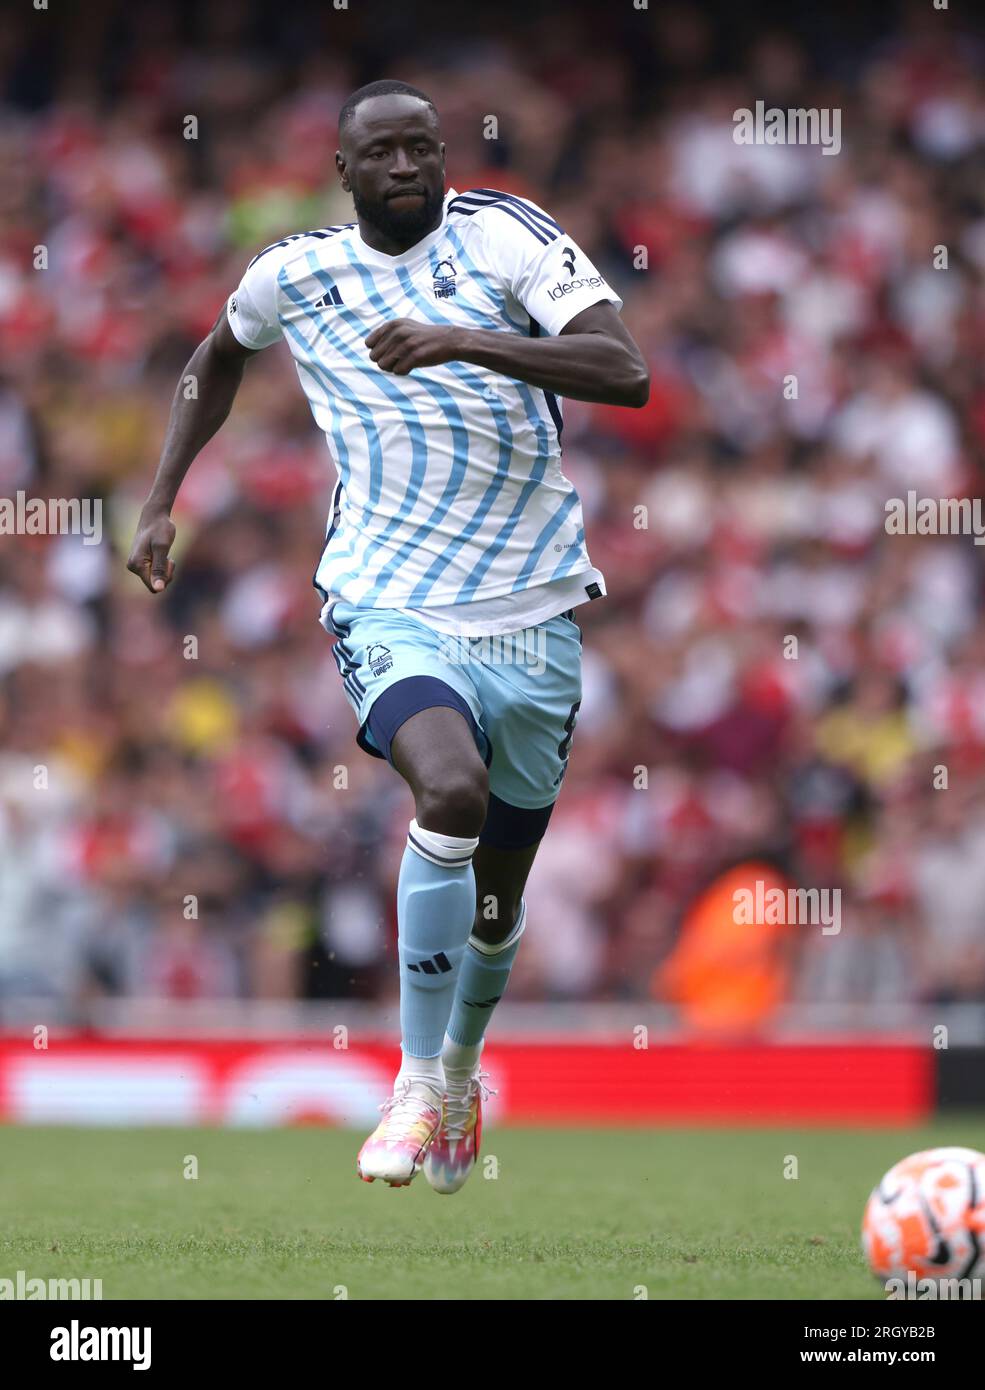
(342, 171)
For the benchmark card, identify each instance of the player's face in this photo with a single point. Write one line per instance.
(392, 161)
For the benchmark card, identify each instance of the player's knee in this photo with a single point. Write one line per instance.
(454, 802)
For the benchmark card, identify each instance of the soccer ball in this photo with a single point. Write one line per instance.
(926, 1220)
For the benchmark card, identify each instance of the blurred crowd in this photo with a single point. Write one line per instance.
(184, 813)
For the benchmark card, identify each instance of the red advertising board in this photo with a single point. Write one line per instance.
(86, 1080)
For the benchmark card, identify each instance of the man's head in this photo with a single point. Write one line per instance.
(391, 159)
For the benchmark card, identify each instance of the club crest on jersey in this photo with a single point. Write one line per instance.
(444, 280)
(379, 659)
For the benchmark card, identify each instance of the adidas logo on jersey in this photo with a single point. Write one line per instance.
(331, 300)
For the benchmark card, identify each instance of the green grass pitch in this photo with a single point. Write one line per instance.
(571, 1214)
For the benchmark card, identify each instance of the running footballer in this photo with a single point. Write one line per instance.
(433, 337)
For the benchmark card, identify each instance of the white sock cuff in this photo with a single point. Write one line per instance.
(485, 949)
(448, 851)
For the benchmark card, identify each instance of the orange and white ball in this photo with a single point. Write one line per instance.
(927, 1218)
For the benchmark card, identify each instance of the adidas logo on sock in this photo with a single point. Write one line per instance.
(483, 1003)
(437, 965)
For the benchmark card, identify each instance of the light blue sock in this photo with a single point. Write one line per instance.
(435, 911)
(482, 982)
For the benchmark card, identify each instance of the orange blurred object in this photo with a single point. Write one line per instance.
(727, 977)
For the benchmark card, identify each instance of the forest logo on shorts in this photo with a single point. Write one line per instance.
(379, 659)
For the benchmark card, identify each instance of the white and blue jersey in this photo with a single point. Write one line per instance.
(450, 499)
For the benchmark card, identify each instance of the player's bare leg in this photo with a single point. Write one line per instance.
(500, 878)
(435, 753)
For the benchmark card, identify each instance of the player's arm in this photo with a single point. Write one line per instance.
(217, 366)
(593, 358)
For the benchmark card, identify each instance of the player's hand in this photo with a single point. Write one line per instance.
(149, 552)
(403, 344)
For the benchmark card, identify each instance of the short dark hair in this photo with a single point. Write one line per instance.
(386, 87)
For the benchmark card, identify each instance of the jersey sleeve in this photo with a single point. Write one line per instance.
(544, 269)
(252, 307)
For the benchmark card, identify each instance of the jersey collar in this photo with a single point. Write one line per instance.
(420, 248)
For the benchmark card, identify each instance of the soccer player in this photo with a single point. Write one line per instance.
(432, 337)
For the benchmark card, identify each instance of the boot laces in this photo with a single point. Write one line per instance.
(404, 1111)
(458, 1106)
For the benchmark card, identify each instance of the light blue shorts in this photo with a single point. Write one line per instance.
(520, 693)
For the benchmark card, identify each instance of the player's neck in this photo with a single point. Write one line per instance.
(393, 246)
